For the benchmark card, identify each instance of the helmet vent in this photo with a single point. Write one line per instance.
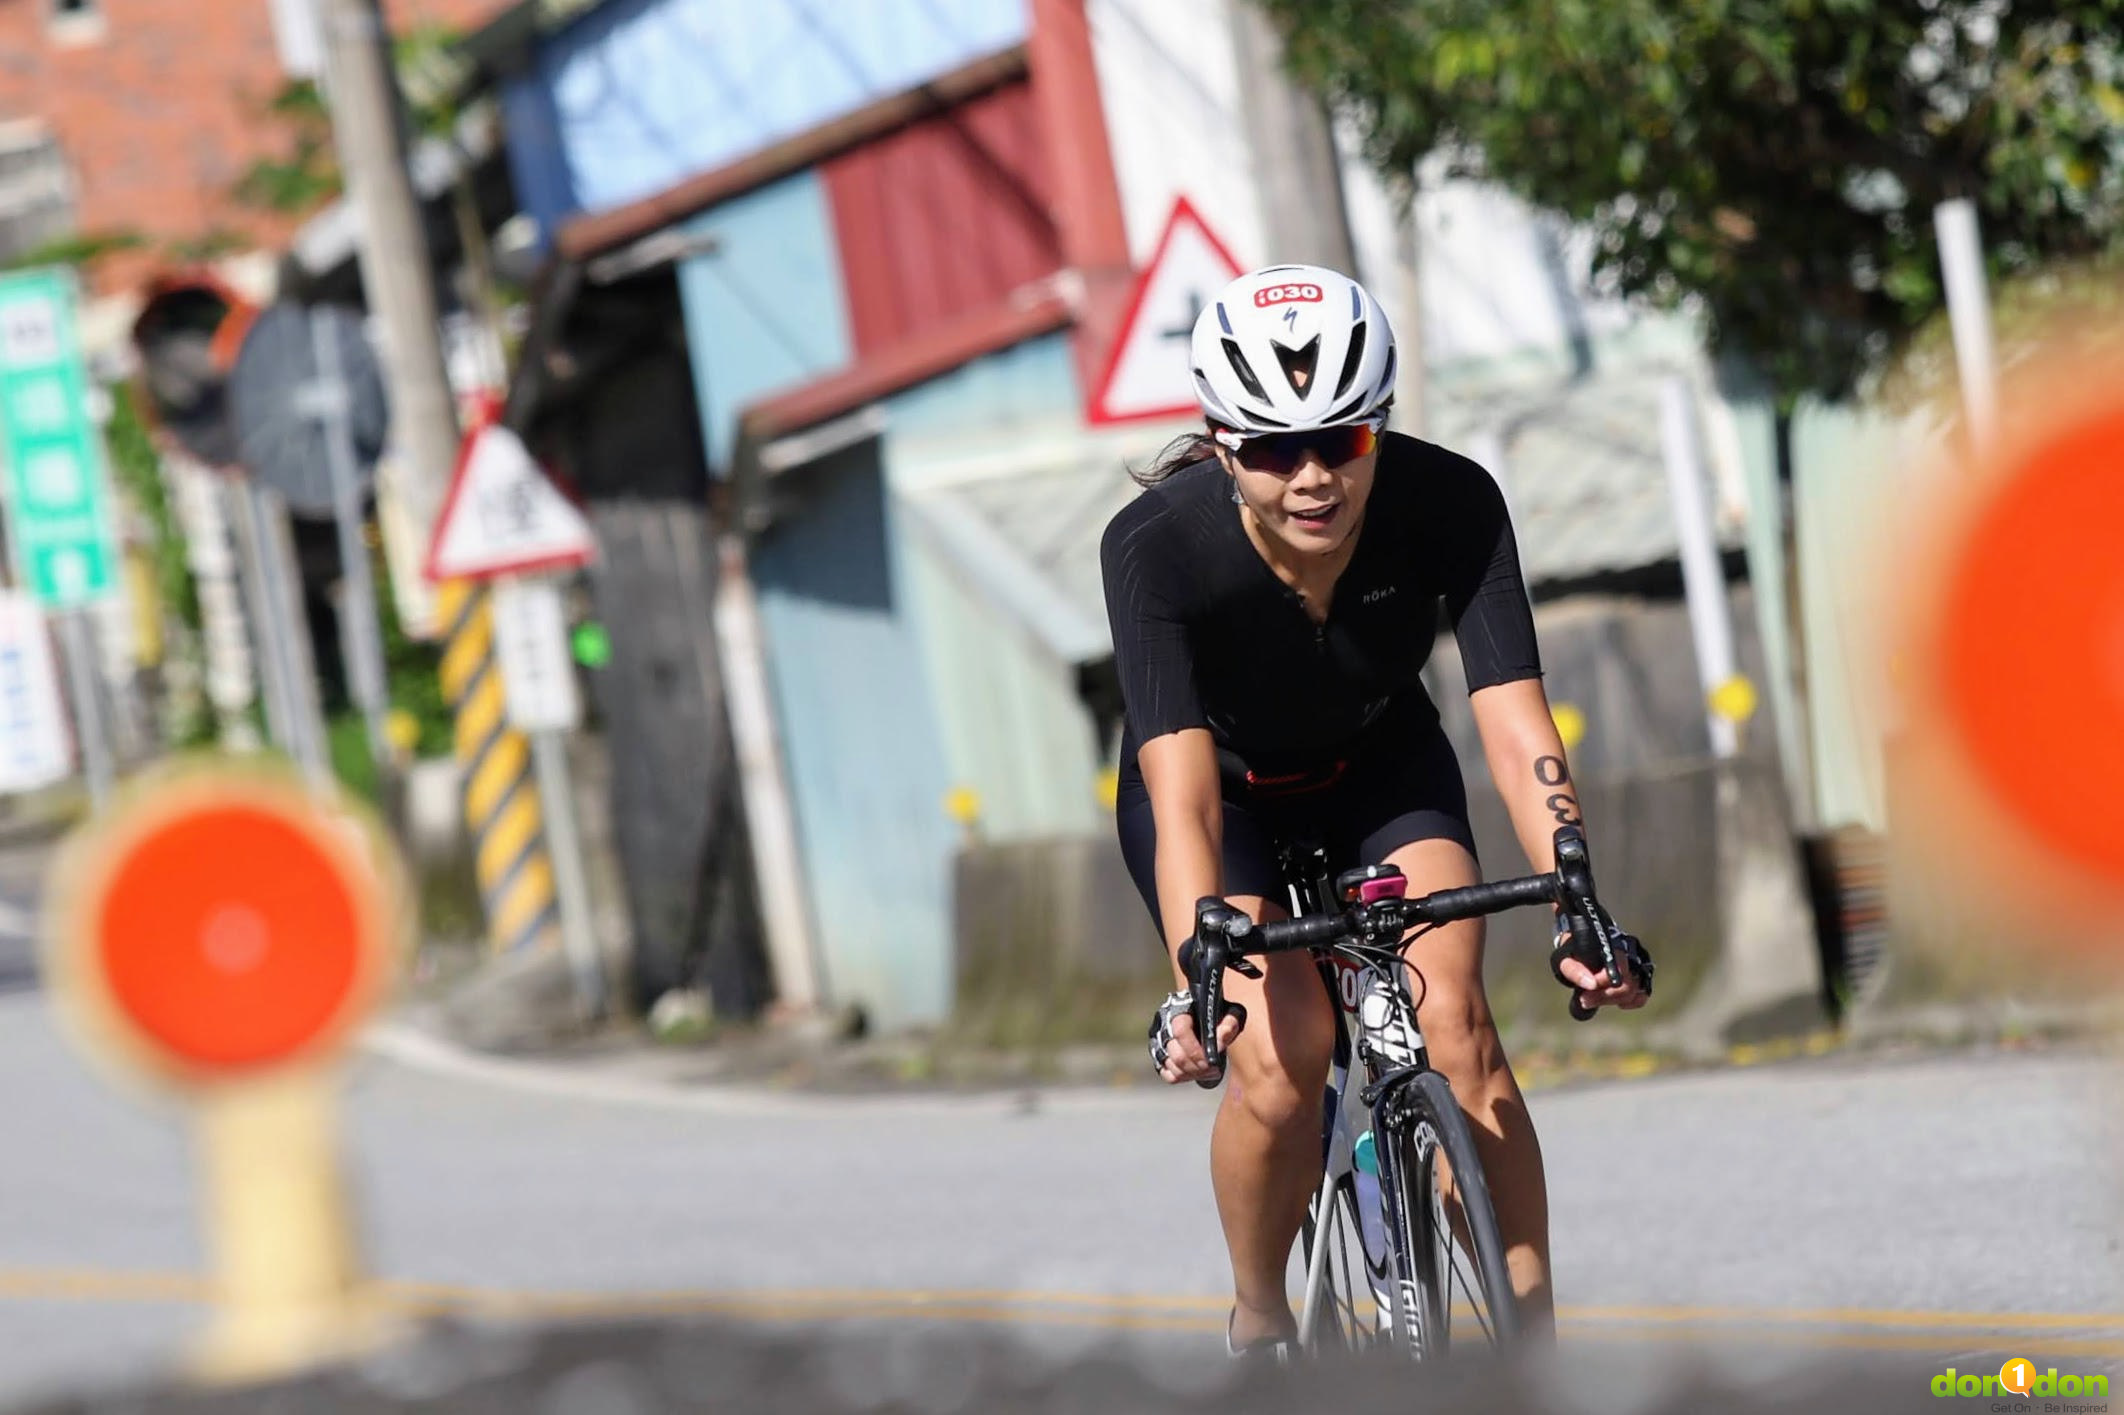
(1351, 359)
(1347, 411)
(1245, 370)
(1299, 365)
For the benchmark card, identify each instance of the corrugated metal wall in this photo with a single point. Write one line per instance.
(860, 734)
(763, 309)
(644, 93)
(1012, 726)
(942, 218)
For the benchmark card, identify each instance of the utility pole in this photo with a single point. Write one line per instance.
(1411, 408)
(396, 270)
(1297, 170)
(1304, 211)
(1969, 314)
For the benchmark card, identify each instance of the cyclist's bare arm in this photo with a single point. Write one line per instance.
(1533, 776)
(1527, 762)
(1180, 773)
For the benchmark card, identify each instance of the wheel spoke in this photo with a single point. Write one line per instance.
(1478, 1301)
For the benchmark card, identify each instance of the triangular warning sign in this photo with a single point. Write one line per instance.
(1147, 372)
(503, 515)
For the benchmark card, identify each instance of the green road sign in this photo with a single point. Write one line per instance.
(50, 446)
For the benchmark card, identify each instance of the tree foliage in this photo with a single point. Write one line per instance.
(305, 173)
(1779, 159)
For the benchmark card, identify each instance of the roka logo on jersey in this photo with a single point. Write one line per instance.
(1288, 294)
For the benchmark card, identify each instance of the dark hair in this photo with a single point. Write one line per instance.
(1182, 452)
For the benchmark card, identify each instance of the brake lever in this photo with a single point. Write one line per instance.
(1590, 935)
(1204, 958)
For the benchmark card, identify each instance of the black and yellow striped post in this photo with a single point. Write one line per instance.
(501, 800)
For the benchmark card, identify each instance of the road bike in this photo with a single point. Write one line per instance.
(1400, 1240)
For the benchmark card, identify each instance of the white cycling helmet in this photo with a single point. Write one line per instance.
(1291, 348)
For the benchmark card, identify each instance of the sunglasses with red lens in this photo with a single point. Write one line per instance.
(1280, 453)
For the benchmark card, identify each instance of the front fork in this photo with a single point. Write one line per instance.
(1409, 1318)
(1379, 1101)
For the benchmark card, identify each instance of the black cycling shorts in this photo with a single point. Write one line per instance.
(1398, 786)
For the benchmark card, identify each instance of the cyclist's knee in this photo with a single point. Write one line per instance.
(1278, 1101)
(1459, 1031)
(1280, 1080)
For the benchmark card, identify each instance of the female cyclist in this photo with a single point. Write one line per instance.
(1274, 594)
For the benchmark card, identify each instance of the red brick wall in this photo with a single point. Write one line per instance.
(161, 114)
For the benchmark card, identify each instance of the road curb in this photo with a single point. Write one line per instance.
(418, 1050)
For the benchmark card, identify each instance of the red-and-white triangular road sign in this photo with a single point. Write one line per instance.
(1147, 373)
(503, 515)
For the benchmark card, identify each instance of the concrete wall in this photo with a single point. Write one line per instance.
(1053, 944)
(1699, 861)
(1627, 664)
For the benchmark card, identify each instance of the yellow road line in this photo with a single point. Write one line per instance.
(83, 1284)
(1847, 1316)
(2006, 1344)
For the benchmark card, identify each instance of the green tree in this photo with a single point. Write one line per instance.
(305, 174)
(1777, 159)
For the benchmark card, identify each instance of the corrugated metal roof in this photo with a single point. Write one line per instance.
(1580, 462)
(1055, 519)
(1581, 465)
(1041, 532)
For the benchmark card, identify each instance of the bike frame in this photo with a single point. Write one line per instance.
(1364, 917)
(1310, 892)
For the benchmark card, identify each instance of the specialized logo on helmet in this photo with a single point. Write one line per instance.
(1288, 294)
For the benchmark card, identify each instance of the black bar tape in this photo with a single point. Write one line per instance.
(1287, 934)
(1477, 899)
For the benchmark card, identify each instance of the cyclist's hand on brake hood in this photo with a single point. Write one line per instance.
(1594, 990)
(1175, 1050)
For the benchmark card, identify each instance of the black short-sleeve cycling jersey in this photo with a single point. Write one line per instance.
(1205, 635)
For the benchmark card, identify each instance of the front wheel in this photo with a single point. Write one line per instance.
(1450, 1260)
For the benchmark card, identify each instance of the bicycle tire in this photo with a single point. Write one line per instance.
(1342, 1314)
(1432, 1123)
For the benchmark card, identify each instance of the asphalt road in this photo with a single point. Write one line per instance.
(1903, 1208)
